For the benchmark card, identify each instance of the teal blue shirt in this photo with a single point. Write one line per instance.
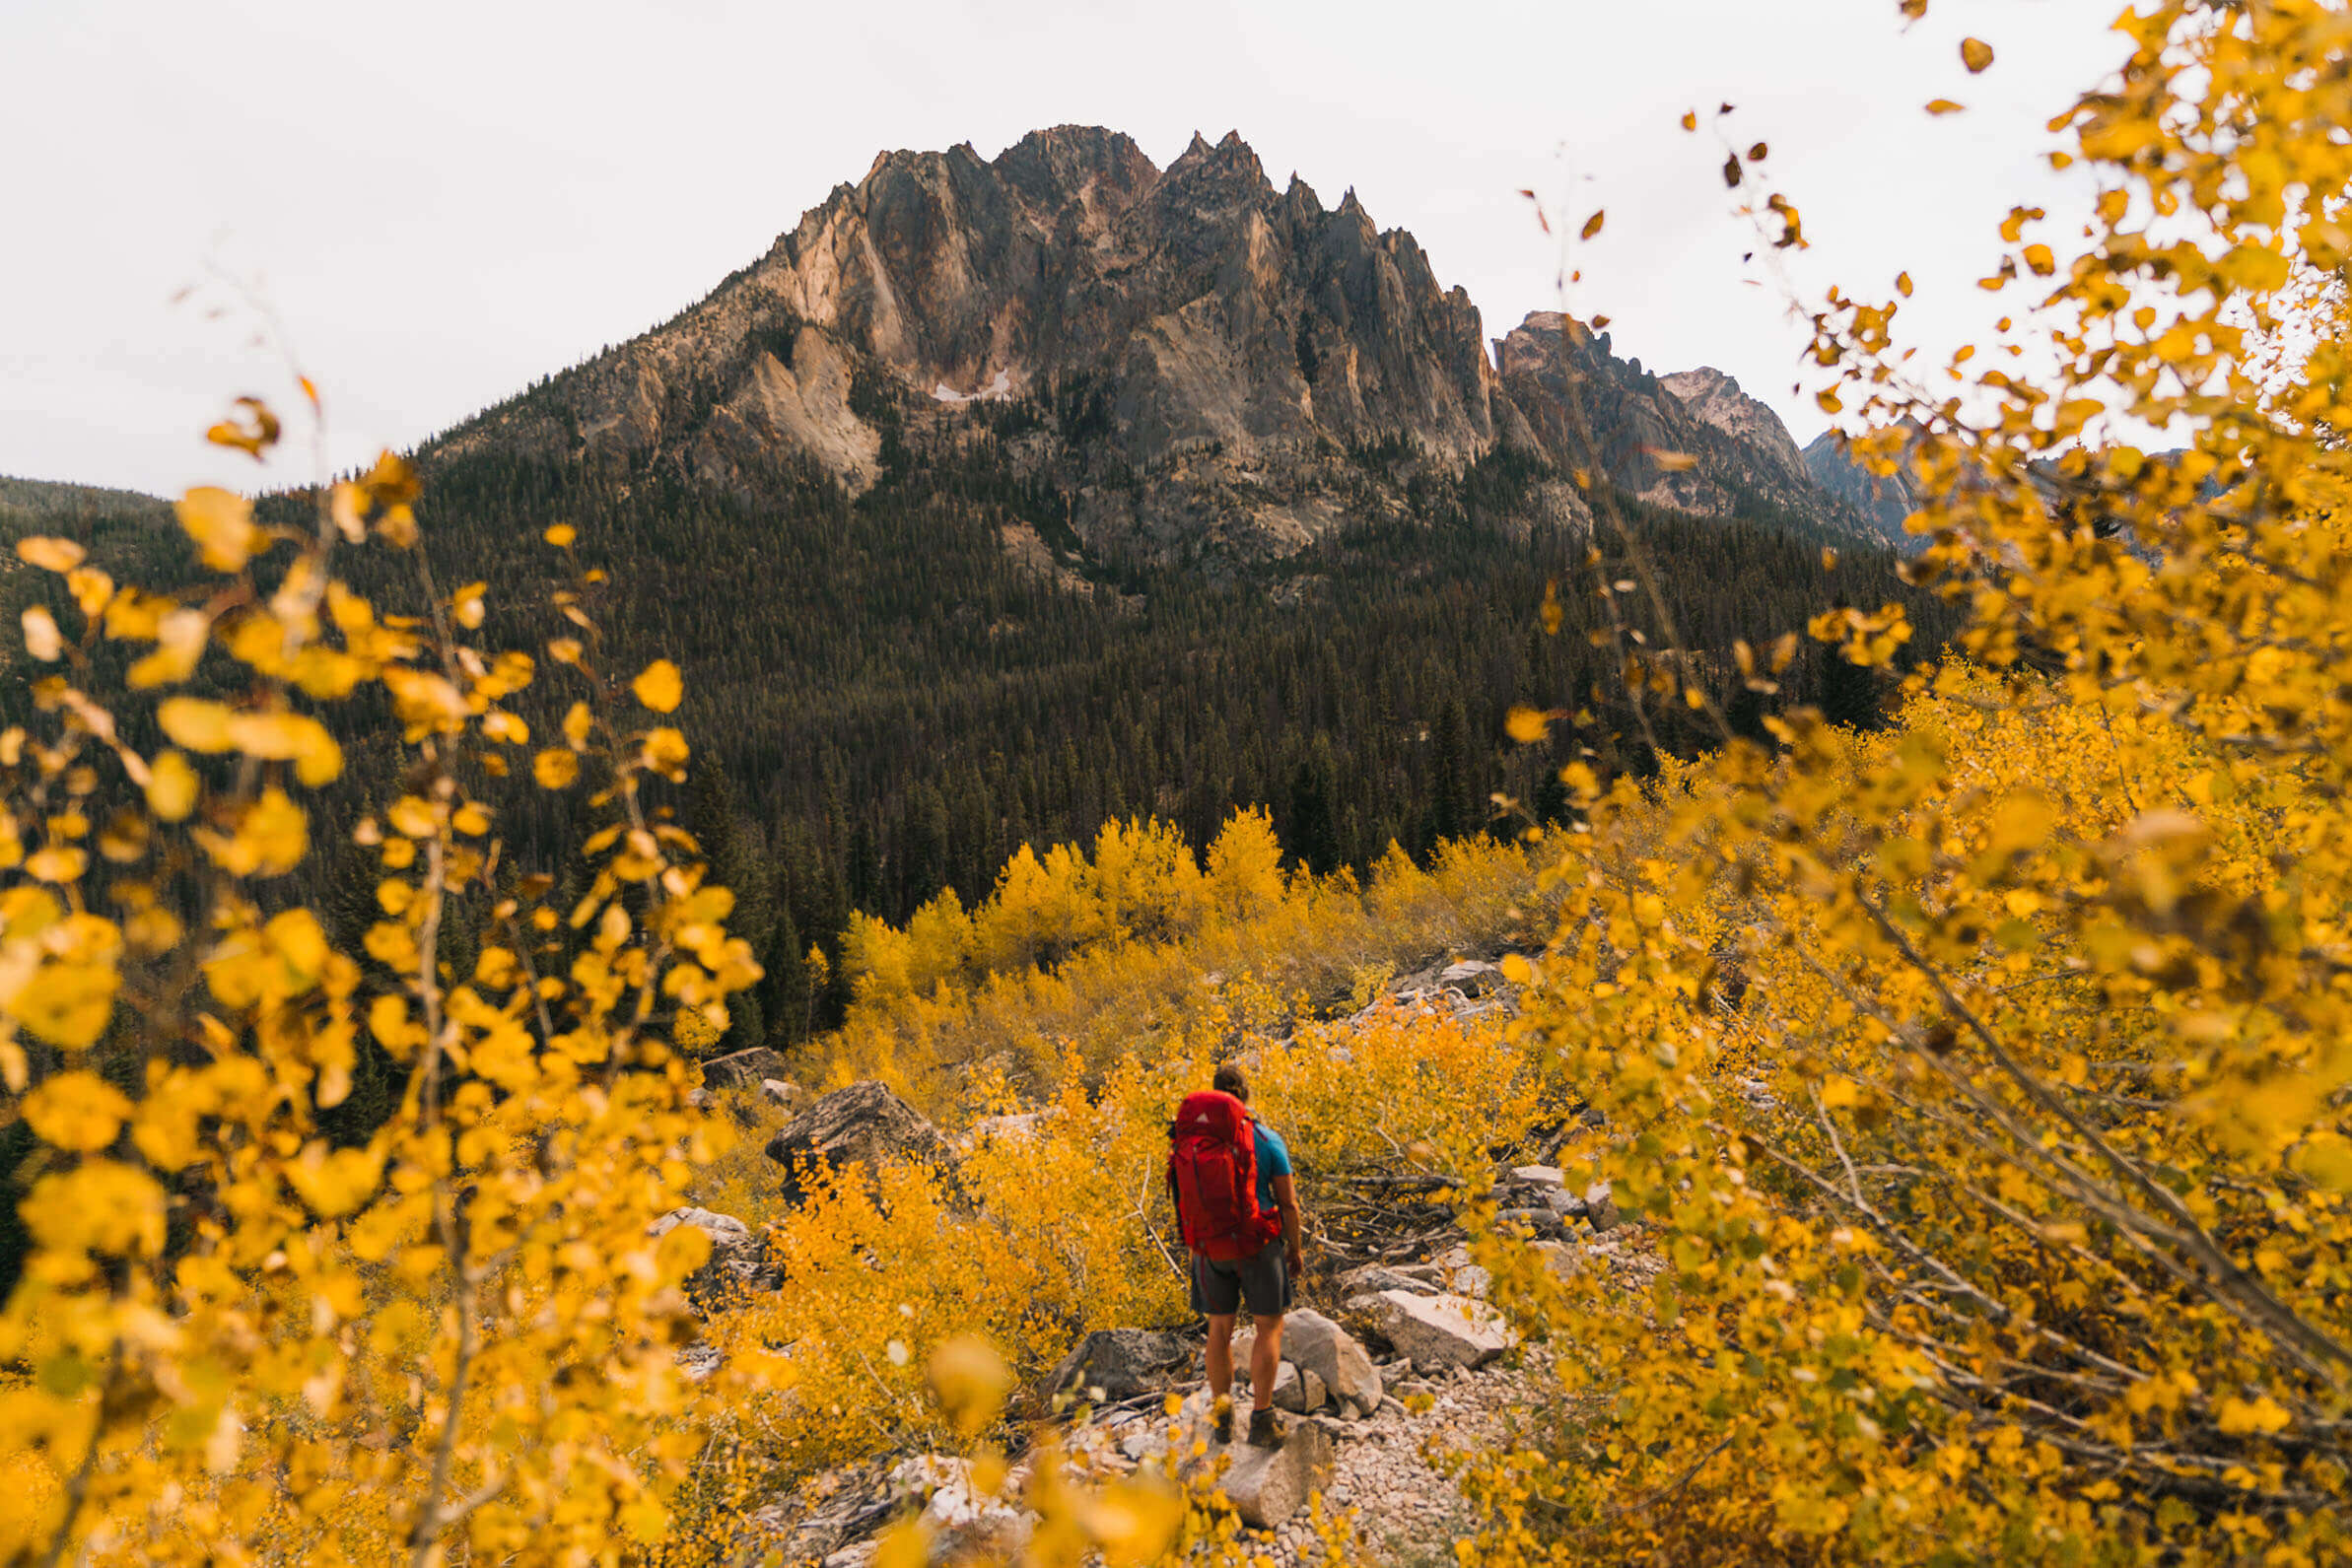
(1273, 1160)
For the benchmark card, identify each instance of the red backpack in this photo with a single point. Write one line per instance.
(1213, 1171)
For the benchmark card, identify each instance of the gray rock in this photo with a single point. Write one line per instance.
(1375, 1277)
(738, 1261)
(864, 1124)
(1266, 1486)
(1472, 976)
(1564, 1203)
(1321, 1346)
(1300, 1393)
(739, 1067)
(1531, 1221)
(1563, 1260)
(1537, 1175)
(781, 1093)
(1600, 1208)
(1122, 1363)
(1020, 1128)
(964, 1523)
(1438, 1333)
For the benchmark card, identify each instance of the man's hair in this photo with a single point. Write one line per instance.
(1230, 1080)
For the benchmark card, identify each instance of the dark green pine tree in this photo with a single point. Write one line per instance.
(1456, 801)
(1849, 691)
(1745, 713)
(1314, 826)
(737, 861)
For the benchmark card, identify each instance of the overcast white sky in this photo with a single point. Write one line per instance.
(445, 199)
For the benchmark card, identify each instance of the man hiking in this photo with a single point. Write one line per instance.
(1238, 1211)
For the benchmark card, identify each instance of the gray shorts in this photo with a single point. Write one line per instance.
(1263, 1279)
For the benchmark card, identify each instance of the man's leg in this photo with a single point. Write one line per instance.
(1266, 1357)
(1221, 1355)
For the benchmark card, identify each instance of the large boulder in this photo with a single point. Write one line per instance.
(1321, 1346)
(1473, 976)
(864, 1124)
(738, 1261)
(1440, 1332)
(1122, 1363)
(1266, 1486)
(739, 1067)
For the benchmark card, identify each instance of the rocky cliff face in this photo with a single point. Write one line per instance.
(1196, 364)
(1716, 399)
(1883, 500)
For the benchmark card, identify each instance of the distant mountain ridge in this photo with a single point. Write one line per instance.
(1200, 366)
(32, 500)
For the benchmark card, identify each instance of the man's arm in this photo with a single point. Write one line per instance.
(1286, 1198)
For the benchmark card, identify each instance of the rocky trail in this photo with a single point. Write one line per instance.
(1392, 1361)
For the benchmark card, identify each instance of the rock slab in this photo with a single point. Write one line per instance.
(865, 1125)
(738, 1258)
(1321, 1346)
(1266, 1486)
(1442, 1332)
(739, 1067)
(1122, 1363)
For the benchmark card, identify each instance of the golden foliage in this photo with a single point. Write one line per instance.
(1983, 1083)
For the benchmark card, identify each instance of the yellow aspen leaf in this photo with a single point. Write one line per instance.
(66, 1003)
(1690, 119)
(1671, 463)
(1975, 55)
(50, 554)
(561, 535)
(970, 1380)
(564, 650)
(179, 635)
(2039, 262)
(196, 722)
(171, 786)
(57, 863)
(252, 429)
(43, 639)
(658, 686)
(1839, 1092)
(288, 737)
(221, 521)
(1527, 725)
(344, 506)
(1902, 283)
(1943, 106)
(1592, 226)
(665, 751)
(91, 588)
(412, 818)
(78, 1111)
(470, 819)
(555, 768)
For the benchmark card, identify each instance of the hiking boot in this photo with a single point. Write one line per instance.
(1221, 1419)
(1265, 1429)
